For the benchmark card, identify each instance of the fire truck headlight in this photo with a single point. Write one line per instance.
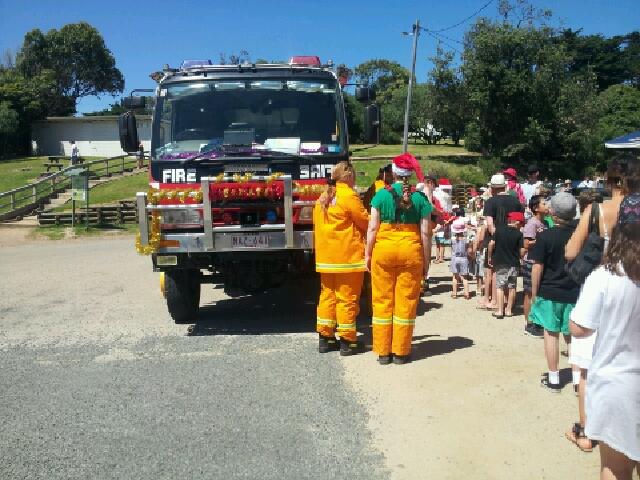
(181, 217)
(306, 214)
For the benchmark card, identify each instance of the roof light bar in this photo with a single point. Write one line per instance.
(309, 60)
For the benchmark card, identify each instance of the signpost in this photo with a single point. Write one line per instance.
(79, 192)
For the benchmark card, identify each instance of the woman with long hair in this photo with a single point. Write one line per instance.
(397, 245)
(623, 176)
(339, 226)
(610, 304)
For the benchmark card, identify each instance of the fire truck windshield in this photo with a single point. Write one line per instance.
(299, 116)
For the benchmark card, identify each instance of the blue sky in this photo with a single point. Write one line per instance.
(143, 34)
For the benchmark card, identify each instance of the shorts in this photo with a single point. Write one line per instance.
(440, 241)
(582, 350)
(459, 265)
(526, 276)
(550, 315)
(506, 277)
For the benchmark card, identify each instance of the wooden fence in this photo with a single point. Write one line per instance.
(23, 200)
(124, 212)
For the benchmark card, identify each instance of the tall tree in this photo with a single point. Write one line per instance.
(384, 75)
(79, 59)
(513, 76)
(450, 107)
(614, 60)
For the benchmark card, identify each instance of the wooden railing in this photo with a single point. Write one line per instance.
(22, 200)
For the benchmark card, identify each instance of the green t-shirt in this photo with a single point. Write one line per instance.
(384, 202)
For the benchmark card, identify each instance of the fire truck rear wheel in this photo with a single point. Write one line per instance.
(182, 291)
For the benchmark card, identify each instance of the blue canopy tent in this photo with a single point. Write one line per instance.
(630, 140)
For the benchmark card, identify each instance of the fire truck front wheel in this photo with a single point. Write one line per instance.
(182, 291)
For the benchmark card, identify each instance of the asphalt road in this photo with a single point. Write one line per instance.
(96, 381)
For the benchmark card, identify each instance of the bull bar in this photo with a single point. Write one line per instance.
(280, 236)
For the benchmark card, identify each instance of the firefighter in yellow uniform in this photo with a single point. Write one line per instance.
(397, 244)
(339, 225)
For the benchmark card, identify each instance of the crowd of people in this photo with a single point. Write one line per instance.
(579, 259)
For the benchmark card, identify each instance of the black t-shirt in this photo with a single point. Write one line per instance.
(555, 284)
(501, 204)
(506, 253)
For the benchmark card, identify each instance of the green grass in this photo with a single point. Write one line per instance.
(442, 149)
(59, 232)
(124, 188)
(468, 173)
(17, 172)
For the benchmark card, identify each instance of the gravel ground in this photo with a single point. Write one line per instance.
(97, 382)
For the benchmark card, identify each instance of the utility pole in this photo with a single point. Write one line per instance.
(405, 138)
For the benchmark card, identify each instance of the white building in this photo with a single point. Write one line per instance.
(94, 136)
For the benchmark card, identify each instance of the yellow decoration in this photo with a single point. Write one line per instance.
(154, 237)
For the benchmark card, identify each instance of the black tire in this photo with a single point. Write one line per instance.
(182, 291)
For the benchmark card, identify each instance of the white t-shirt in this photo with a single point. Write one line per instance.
(530, 189)
(610, 304)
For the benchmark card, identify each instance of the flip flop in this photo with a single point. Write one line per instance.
(495, 315)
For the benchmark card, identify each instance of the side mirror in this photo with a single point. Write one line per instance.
(132, 103)
(128, 132)
(365, 94)
(372, 124)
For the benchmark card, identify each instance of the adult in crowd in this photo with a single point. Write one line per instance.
(532, 186)
(437, 215)
(587, 182)
(397, 246)
(496, 209)
(553, 292)
(513, 187)
(75, 153)
(610, 304)
(567, 186)
(339, 226)
(623, 177)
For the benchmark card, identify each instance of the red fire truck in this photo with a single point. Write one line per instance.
(239, 154)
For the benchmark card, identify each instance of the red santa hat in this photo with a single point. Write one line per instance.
(403, 165)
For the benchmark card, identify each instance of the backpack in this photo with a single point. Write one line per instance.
(591, 253)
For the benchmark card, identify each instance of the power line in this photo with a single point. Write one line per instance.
(466, 19)
(443, 36)
(443, 41)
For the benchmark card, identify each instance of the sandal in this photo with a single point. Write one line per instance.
(584, 443)
(572, 435)
(495, 315)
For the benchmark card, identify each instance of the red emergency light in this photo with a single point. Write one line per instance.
(309, 60)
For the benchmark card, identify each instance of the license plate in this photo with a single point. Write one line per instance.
(250, 241)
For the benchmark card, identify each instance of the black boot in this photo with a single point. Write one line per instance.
(350, 348)
(327, 344)
(401, 359)
(384, 359)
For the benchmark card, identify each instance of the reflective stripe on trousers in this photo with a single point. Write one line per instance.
(396, 273)
(338, 305)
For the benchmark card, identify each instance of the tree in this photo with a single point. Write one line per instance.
(9, 124)
(614, 60)
(81, 63)
(384, 75)
(26, 100)
(513, 76)
(450, 108)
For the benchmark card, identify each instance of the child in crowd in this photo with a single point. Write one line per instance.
(535, 225)
(460, 257)
(553, 292)
(505, 251)
(479, 253)
(609, 303)
(443, 237)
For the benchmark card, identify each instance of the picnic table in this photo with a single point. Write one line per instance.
(57, 161)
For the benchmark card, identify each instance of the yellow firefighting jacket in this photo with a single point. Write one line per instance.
(340, 232)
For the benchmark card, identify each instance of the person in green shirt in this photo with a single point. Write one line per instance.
(397, 245)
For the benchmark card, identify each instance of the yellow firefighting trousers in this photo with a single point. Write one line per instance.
(339, 304)
(396, 273)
